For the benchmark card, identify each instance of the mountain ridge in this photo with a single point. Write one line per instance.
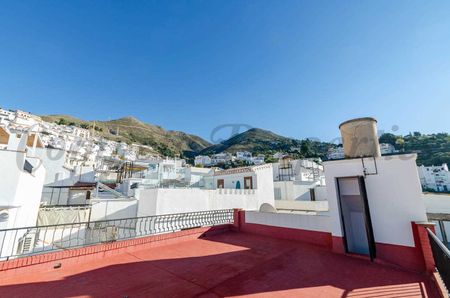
(431, 148)
(132, 130)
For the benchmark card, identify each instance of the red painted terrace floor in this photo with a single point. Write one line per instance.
(224, 265)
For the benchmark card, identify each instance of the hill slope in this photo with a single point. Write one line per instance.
(432, 149)
(259, 141)
(252, 140)
(131, 130)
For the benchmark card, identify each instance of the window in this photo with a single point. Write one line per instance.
(28, 167)
(248, 182)
(312, 194)
(220, 183)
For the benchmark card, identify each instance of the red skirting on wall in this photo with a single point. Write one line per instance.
(404, 256)
(312, 237)
(411, 258)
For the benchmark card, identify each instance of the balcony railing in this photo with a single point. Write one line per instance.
(21, 242)
(441, 256)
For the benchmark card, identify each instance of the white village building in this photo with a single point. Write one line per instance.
(21, 180)
(299, 185)
(247, 188)
(435, 178)
(336, 153)
(386, 148)
(202, 160)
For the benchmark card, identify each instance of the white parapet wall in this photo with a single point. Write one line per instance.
(318, 223)
(319, 206)
(437, 203)
(109, 209)
(167, 201)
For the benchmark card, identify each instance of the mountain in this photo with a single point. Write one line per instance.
(432, 149)
(252, 140)
(259, 141)
(132, 130)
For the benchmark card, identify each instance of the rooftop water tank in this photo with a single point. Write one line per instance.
(285, 162)
(360, 138)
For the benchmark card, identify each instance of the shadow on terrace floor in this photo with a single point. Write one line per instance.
(229, 264)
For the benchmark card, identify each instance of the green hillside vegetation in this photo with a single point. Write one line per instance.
(131, 130)
(432, 149)
(259, 141)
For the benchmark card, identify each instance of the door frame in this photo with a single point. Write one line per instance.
(366, 211)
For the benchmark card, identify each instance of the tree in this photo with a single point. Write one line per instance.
(269, 159)
(62, 121)
(165, 151)
(400, 143)
(306, 148)
(388, 138)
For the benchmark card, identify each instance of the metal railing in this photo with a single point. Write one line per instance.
(442, 231)
(441, 256)
(19, 242)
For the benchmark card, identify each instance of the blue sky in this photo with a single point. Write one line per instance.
(298, 68)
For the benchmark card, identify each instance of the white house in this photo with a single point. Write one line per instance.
(25, 119)
(221, 158)
(246, 188)
(21, 181)
(244, 156)
(436, 178)
(202, 160)
(258, 160)
(6, 116)
(298, 180)
(387, 148)
(80, 132)
(336, 153)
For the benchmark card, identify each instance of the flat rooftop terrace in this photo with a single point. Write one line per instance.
(229, 264)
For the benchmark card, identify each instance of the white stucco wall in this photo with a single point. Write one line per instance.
(105, 209)
(53, 161)
(20, 196)
(321, 193)
(302, 205)
(394, 196)
(179, 200)
(298, 191)
(19, 189)
(320, 223)
(9, 175)
(168, 201)
(293, 190)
